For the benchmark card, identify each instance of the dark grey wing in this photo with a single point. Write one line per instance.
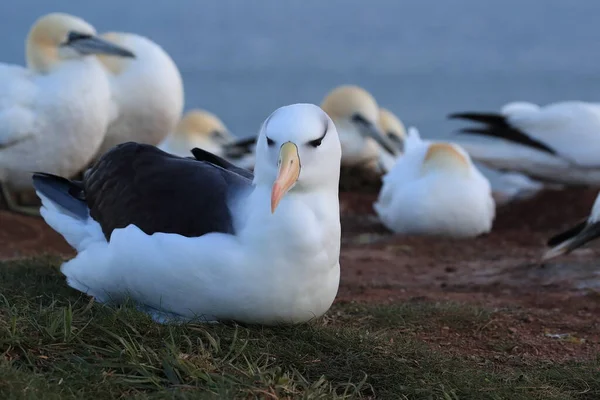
(203, 155)
(497, 126)
(158, 192)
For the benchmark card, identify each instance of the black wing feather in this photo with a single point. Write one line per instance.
(566, 235)
(158, 192)
(203, 155)
(498, 126)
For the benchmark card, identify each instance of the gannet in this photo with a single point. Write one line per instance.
(434, 189)
(576, 236)
(54, 113)
(558, 143)
(197, 128)
(188, 238)
(356, 116)
(203, 129)
(394, 129)
(148, 92)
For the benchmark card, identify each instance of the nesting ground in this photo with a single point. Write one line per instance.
(538, 311)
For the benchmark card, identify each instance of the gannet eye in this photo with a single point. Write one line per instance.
(359, 119)
(270, 142)
(74, 36)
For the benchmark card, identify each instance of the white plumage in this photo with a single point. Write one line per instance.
(53, 114)
(356, 116)
(434, 189)
(279, 266)
(557, 143)
(148, 92)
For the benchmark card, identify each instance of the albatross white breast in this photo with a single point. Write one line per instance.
(434, 189)
(558, 143)
(53, 114)
(199, 237)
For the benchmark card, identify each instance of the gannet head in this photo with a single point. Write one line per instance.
(116, 65)
(392, 127)
(57, 37)
(204, 125)
(353, 109)
(446, 158)
(147, 52)
(298, 150)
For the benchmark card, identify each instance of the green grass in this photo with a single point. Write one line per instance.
(56, 343)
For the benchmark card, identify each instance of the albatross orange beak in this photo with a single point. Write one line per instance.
(289, 171)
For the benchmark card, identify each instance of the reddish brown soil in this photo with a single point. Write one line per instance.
(499, 271)
(22, 236)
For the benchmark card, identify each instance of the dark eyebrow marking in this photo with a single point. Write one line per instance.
(317, 142)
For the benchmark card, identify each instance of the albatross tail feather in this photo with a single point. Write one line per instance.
(62, 192)
(65, 210)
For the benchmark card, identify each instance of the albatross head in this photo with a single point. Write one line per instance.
(57, 37)
(297, 150)
(355, 111)
(204, 125)
(392, 127)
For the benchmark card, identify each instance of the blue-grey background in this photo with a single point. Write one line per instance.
(421, 58)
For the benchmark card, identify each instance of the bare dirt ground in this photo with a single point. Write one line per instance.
(547, 311)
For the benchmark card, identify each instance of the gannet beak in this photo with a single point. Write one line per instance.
(369, 129)
(87, 44)
(289, 171)
(590, 232)
(397, 141)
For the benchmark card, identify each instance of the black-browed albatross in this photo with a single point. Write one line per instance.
(201, 238)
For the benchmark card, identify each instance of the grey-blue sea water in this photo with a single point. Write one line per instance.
(422, 58)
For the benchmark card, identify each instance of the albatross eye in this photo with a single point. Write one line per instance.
(316, 142)
(270, 142)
